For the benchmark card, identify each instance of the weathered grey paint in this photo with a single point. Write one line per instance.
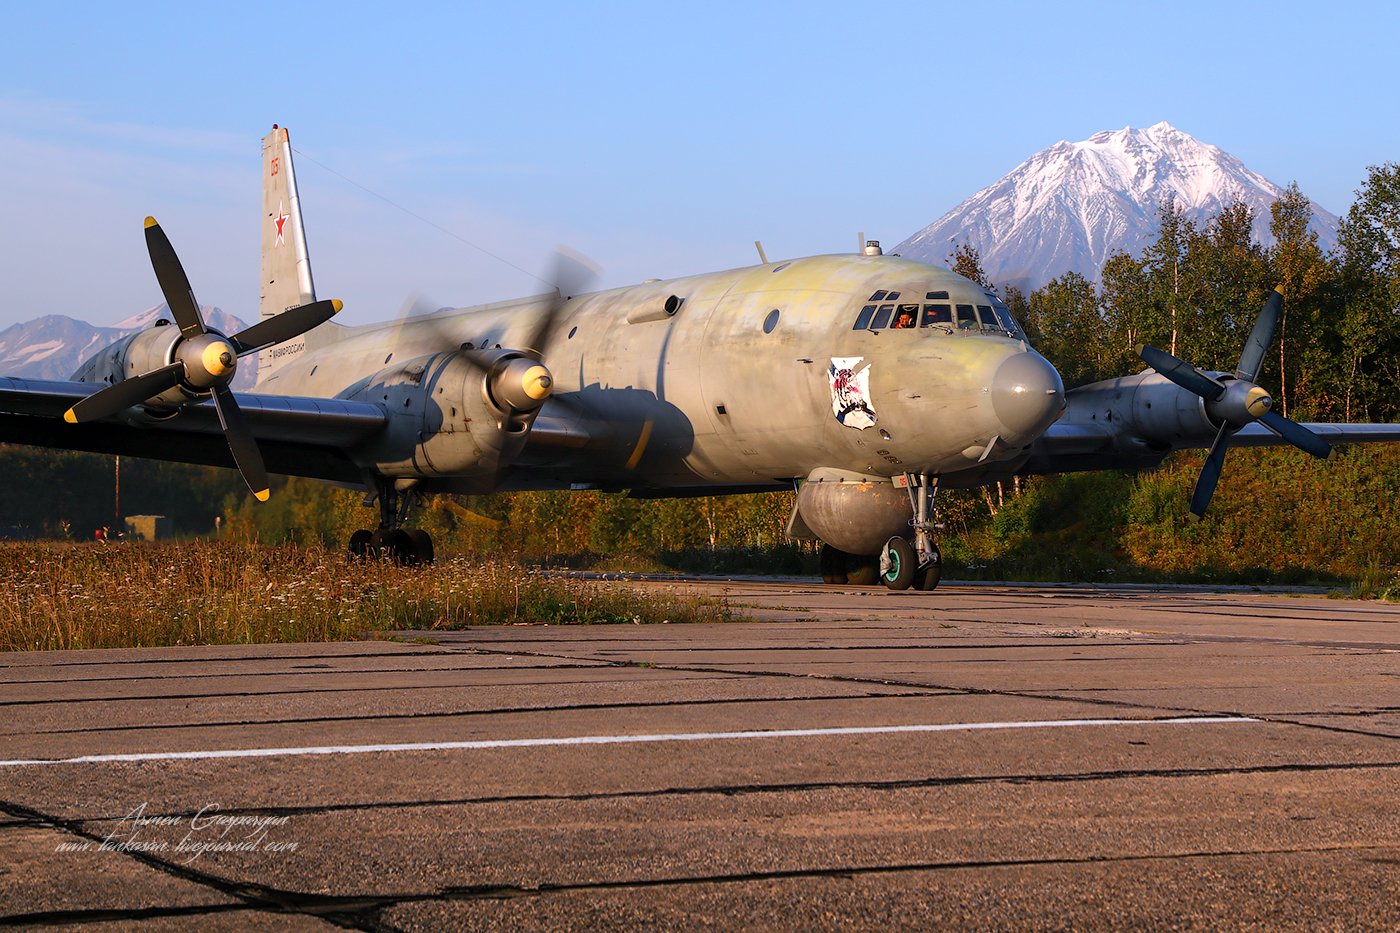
(285, 274)
(704, 396)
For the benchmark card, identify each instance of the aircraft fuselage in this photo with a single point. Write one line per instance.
(747, 377)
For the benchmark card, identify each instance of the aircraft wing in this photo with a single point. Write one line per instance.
(297, 436)
(1256, 435)
(1074, 446)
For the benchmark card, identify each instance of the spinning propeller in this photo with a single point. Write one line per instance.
(521, 385)
(204, 360)
(1234, 402)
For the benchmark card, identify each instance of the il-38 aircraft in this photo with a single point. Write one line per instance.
(866, 381)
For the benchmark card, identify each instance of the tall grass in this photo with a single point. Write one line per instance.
(88, 595)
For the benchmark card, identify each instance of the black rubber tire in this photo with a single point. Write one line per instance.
(381, 544)
(926, 579)
(400, 547)
(862, 570)
(422, 546)
(903, 564)
(833, 564)
(359, 544)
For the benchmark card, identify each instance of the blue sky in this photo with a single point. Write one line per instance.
(659, 139)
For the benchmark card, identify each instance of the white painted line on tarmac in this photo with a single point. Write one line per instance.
(614, 740)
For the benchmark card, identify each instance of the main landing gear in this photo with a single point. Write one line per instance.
(919, 564)
(901, 564)
(404, 546)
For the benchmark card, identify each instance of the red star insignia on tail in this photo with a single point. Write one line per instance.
(281, 221)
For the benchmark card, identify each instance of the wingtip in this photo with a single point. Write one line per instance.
(150, 222)
(262, 495)
(70, 417)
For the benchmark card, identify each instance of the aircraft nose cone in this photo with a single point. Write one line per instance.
(1027, 396)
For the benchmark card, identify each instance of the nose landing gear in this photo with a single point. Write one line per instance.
(919, 564)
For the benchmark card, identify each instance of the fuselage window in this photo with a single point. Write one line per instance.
(967, 317)
(878, 296)
(882, 317)
(988, 318)
(908, 316)
(863, 319)
(936, 296)
(937, 314)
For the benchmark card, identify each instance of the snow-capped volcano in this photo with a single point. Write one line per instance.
(1071, 206)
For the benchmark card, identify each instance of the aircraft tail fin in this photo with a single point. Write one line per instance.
(286, 266)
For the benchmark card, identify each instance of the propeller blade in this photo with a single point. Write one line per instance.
(1259, 339)
(1210, 474)
(290, 323)
(1182, 373)
(241, 443)
(571, 274)
(1296, 434)
(125, 394)
(174, 284)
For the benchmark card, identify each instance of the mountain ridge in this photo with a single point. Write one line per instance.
(53, 346)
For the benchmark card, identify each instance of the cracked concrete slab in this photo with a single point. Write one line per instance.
(1054, 784)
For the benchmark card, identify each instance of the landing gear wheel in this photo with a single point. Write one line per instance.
(833, 564)
(421, 546)
(927, 577)
(862, 570)
(902, 563)
(359, 544)
(398, 546)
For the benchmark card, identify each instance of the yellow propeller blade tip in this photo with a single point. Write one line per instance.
(337, 304)
(150, 222)
(69, 417)
(262, 495)
(1279, 289)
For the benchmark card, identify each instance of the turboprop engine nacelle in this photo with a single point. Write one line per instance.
(461, 414)
(1145, 410)
(150, 349)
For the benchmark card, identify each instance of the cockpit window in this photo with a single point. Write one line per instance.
(1008, 323)
(937, 314)
(906, 316)
(935, 296)
(878, 296)
(972, 318)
